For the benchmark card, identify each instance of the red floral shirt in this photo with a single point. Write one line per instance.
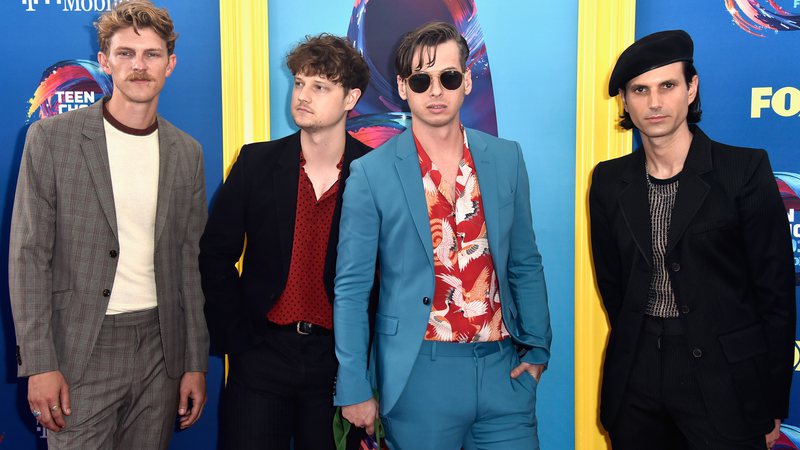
(466, 300)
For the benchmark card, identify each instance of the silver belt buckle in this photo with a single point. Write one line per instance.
(299, 330)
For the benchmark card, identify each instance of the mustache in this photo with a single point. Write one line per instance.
(138, 76)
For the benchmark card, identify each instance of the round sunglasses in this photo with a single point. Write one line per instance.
(449, 79)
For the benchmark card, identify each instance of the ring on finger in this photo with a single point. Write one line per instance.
(36, 413)
(54, 407)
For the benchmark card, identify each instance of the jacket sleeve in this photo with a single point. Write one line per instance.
(526, 274)
(355, 270)
(605, 253)
(769, 253)
(221, 247)
(31, 244)
(197, 341)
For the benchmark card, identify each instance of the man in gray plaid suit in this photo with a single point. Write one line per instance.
(105, 290)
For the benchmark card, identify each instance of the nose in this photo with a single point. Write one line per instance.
(302, 93)
(654, 100)
(436, 87)
(139, 63)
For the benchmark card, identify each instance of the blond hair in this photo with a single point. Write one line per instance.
(137, 14)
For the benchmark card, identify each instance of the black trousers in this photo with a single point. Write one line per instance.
(663, 407)
(279, 391)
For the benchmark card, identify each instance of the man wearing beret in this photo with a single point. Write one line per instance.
(695, 269)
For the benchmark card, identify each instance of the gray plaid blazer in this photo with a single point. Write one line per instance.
(63, 245)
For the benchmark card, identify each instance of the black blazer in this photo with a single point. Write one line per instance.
(731, 267)
(257, 203)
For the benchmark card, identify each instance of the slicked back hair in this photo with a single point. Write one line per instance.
(423, 41)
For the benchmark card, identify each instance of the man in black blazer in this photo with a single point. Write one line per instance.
(694, 265)
(282, 201)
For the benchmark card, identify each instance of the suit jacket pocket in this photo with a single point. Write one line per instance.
(705, 227)
(745, 351)
(60, 299)
(743, 344)
(386, 324)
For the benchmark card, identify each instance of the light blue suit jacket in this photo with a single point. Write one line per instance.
(384, 214)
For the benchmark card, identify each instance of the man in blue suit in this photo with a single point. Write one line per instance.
(462, 330)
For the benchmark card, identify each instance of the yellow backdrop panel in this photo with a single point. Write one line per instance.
(604, 30)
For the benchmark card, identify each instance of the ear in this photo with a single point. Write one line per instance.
(401, 88)
(467, 81)
(624, 102)
(694, 85)
(351, 98)
(173, 60)
(102, 59)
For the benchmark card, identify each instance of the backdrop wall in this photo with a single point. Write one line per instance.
(41, 33)
(750, 97)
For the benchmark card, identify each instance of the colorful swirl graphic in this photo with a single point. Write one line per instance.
(789, 188)
(753, 17)
(381, 113)
(789, 440)
(67, 76)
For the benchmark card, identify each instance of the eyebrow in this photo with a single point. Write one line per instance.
(674, 81)
(443, 70)
(131, 49)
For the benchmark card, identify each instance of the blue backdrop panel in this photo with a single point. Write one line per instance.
(41, 33)
(745, 53)
(532, 51)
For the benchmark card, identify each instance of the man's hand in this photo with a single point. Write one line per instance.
(193, 386)
(48, 394)
(774, 435)
(534, 369)
(362, 415)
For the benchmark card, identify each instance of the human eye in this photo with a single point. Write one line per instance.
(669, 85)
(123, 53)
(153, 54)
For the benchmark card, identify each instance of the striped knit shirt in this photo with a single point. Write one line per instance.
(661, 194)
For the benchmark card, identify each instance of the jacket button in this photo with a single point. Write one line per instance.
(106, 293)
(685, 309)
(675, 267)
(426, 301)
(697, 353)
(113, 253)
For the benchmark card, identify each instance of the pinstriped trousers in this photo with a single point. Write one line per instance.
(124, 399)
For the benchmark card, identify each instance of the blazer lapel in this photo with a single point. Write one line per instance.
(95, 153)
(407, 166)
(692, 190)
(284, 182)
(487, 181)
(167, 160)
(635, 206)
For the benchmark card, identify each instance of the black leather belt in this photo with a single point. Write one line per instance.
(301, 327)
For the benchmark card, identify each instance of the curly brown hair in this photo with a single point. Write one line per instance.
(331, 57)
(137, 14)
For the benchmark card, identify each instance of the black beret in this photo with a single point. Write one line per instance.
(648, 53)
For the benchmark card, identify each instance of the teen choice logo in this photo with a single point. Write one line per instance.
(68, 85)
(757, 16)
